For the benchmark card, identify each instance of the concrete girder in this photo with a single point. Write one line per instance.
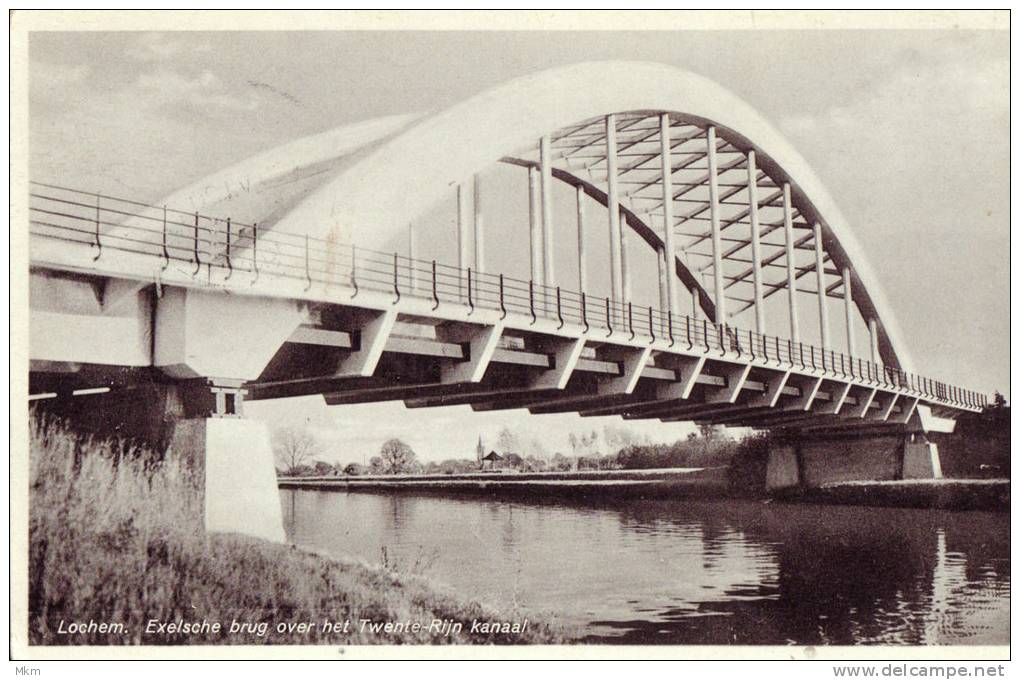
(323, 337)
(713, 413)
(569, 399)
(564, 355)
(736, 376)
(773, 391)
(884, 409)
(476, 396)
(687, 369)
(907, 410)
(480, 342)
(808, 387)
(863, 399)
(374, 329)
(823, 410)
(632, 364)
(66, 307)
(839, 395)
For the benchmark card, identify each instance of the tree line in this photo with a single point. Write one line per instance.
(613, 448)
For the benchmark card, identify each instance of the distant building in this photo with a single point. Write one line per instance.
(493, 459)
(479, 450)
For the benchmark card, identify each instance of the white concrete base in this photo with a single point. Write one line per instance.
(236, 458)
(921, 460)
(781, 471)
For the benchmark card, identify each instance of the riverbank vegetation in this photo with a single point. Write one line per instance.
(116, 537)
(614, 448)
(979, 446)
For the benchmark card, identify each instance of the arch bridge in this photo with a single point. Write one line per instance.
(608, 239)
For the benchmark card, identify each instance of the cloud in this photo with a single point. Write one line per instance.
(51, 82)
(204, 91)
(916, 97)
(162, 46)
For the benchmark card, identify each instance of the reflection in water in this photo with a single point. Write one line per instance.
(688, 572)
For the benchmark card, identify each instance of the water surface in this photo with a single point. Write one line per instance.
(689, 572)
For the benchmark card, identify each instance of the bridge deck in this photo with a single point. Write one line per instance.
(456, 336)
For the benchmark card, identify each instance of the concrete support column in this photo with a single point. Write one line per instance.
(660, 259)
(582, 264)
(199, 423)
(479, 225)
(812, 462)
(666, 156)
(237, 469)
(848, 308)
(823, 317)
(920, 459)
(752, 206)
(545, 158)
(624, 259)
(782, 471)
(791, 271)
(463, 249)
(412, 254)
(535, 222)
(873, 339)
(713, 198)
(613, 191)
(209, 344)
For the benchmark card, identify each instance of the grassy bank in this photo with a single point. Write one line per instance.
(116, 537)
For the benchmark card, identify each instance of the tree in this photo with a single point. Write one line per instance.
(294, 448)
(507, 441)
(617, 438)
(322, 468)
(534, 447)
(533, 464)
(353, 470)
(397, 457)
(562, 463)
(376, 465)
(708, 430)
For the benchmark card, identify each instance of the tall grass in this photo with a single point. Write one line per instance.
(116, 535)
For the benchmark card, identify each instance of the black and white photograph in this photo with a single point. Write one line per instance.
(558, 334)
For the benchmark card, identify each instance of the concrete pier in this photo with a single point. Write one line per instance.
(810, 463)
(235, 458)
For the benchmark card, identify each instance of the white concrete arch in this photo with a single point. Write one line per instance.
(370, 201)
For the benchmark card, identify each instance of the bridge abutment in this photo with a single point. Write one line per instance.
(202, 422)
(810, 462)
(205, 345)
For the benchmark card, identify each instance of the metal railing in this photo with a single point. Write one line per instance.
(243, 251)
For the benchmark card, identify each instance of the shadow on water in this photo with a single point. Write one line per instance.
(694, 572)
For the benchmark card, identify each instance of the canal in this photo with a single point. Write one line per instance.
(689, 572)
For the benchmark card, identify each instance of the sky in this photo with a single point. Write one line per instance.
(908, 130)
